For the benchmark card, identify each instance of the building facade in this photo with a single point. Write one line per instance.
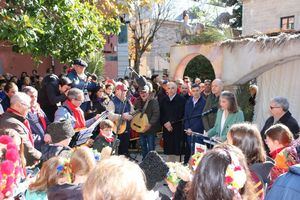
(267, 16)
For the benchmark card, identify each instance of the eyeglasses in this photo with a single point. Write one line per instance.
(79, 100)
(272, 107)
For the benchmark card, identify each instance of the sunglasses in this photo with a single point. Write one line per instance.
(272, 107)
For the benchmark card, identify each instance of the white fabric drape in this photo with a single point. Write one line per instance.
(283, 80)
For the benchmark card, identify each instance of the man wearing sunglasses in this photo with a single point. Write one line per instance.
(279, 110)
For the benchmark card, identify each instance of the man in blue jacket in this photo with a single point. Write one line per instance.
(79, 80)
(193, 122)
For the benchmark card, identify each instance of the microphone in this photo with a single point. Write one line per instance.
(141, 81)
(212, 110)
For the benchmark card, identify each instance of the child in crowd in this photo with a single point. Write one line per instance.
(105, 137)
(60, 179)
(82, 162)
(61, 134)
(54, 171)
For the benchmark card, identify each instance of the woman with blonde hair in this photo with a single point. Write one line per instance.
(116, 178)
(53, 172)
(82, 163)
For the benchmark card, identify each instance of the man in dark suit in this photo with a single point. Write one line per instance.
(172, 112)
(193, 107)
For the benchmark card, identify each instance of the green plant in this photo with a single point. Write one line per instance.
(200, 67)
(96, 63)
(63, 29)
(209, 35)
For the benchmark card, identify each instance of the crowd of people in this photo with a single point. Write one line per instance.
(68, 137)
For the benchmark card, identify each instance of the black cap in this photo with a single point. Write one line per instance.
(80, 63)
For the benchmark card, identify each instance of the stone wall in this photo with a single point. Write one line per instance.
(264, 15)
(157, 59)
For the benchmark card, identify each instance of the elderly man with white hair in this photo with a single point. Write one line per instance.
(279, 110)
(15, 118)
(37, 119)
(171, 115)
(212, 101)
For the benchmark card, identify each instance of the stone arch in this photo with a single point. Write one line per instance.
(181, 55)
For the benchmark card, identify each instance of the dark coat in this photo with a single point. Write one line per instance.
(287, 119)
(100, 143)
(209, 120)
(49, 95)
(195, 124)
(65, 192)
(152, 112)
(172, 111)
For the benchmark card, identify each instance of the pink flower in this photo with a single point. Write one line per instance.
(12, 155)
(12, 146)
(7, 167)
(5, 139)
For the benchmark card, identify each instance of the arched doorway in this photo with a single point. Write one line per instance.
(200, 67)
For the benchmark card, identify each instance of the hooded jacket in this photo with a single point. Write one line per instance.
(286, 186)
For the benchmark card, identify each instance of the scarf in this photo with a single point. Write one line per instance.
(77, 114)
(26, 124)
(274, 153)
(108, 139)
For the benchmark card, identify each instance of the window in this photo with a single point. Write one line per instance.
(123, 35)
(287, 23)
(111, 58)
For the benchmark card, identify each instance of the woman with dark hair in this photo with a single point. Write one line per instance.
(247, 137)
(222, 175)
(278, 138)
(227, 115)
(99, 101)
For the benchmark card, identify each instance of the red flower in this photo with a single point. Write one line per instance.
(228, 179)
(237, 168)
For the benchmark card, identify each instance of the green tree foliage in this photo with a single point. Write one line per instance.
(64, 29)
(200, 67)
(96, 63)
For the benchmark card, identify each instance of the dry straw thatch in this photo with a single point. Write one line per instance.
(263, 42)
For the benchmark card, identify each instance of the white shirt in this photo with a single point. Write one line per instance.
(223, 119)
(172, 97)
(195, 101)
